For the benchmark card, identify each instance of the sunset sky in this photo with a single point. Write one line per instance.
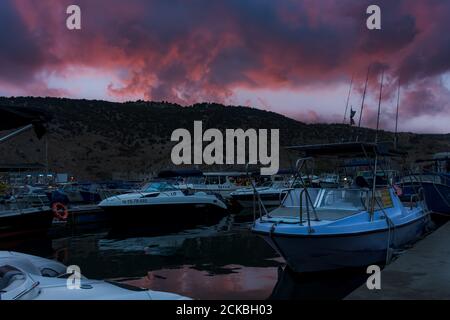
(295, 57)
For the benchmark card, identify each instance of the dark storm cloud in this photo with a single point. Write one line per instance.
(20, 55)
(187, 51)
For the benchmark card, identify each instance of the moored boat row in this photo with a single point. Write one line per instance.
(317, 221)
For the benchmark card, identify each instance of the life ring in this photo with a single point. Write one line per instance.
(60, 211)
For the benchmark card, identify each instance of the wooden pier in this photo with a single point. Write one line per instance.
(421, 273)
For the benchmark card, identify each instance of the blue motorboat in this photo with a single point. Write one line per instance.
(332, 228)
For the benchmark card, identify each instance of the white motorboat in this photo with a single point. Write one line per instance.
(326, 229)
(32, 196)
(160, 202)
(26, 277)
(221, 183)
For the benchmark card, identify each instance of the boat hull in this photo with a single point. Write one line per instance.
(90, 197)
(29, 222)
(85, 215)
(313, 253)
(269, 199)
(158, 215)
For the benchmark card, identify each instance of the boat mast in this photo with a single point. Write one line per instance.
(379, 106)
(348, 99)
(374, 188)
(396, 116)
(364, 97)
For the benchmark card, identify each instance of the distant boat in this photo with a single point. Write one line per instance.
(332, 228)
(271, 194)
(68, 193)
(434, 183)
(160, 202)
(18, 220)
(26, 277)
(31, 195)
(17, 215)
(221, 183)
(436, 189)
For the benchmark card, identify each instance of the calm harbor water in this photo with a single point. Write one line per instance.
(221, 261)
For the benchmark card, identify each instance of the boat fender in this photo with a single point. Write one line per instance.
(60, 211)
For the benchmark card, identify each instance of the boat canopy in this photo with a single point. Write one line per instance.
(361, 163)
(225, 174)
(442, 156)
(159, 186)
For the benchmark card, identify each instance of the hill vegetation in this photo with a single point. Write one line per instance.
(103, 140)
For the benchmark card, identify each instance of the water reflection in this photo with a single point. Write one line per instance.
(317, 286)
(220, 261)
(208, 249)
(41, 246)
(238, 283)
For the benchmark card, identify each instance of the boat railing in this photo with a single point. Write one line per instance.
(415, 179)
(304, 191)
(256, 197)
(412, 202)
(283, 195)
(21, 205)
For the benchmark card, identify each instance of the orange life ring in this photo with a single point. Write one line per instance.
(60, 211)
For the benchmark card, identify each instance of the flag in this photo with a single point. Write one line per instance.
(352, 115)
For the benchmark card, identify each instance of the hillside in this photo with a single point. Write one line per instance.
(104, 140)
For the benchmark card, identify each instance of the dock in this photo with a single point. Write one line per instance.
(421, 273)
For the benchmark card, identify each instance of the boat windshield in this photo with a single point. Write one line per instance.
(354, 200)
(158, 187)
(332, 203)
(342, 199)
(193, 180)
